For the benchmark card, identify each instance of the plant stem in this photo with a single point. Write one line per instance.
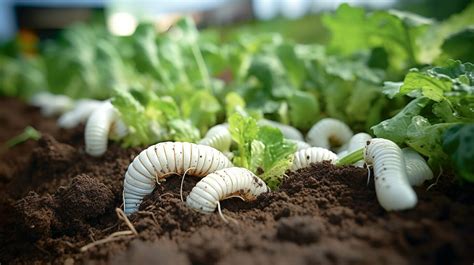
(28, 133)
(351, 158)
(201, 65)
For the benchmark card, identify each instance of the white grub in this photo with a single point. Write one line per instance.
(80, 113)
(391, 183)
(288, 131)
(329, 133)
(222, 184)
(300, 145)
(417, 169)
(218, 137)
(305, 157)
(358, 141)
(100, 123)
(164, 159)
(51, 104)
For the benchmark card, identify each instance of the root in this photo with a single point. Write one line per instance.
(437, 179)
(368, 173)
(122, 216)
(219, 210)
(166, 194)
(150, 214)
(91, 235)
(116, 235)
(234, 196)
(112, 237)
(182, 183)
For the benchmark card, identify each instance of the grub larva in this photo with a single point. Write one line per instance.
(300, 145)
(224, 183)
(218, 137)
(164, 159)
(358, 141)
(329, 133)
(305, 157)
(81, 111)
(288, 131)
(417, 169)
(391, 183)
(103, 120)
(51, 104)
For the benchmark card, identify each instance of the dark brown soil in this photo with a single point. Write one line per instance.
(55, 199)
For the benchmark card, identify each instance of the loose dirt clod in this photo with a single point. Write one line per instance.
(299, 229)
(85, 198)
(35, 214)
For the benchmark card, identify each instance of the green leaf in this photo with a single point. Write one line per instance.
(183, 131)
(133, 115)
(458, 45)
(278, 155)
(201, 108)
(431, 41)
(458, 143)
(303, 109)
(257, 151)
(294, 65)
(395, 129)
(234, 103)
(426, 139)
(432, 88)
(243, 131)
(353, 30)
(391, 89)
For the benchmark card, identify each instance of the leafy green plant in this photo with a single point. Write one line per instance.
(443, 99)
(262, 150)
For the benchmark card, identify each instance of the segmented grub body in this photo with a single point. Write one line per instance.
(300, 145)
(81, 111)
(359, 140)
(391, 182)
(221, 184)
(162, 160)
(51, 104)
(218, 137)
(100, 123)
(288, 131)
(417, 169)
(305, 157)
(329, 133)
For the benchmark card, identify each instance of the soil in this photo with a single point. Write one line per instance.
(55, 200)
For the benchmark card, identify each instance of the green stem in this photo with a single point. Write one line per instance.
(351, 158)
(201, 65)
(28, 133)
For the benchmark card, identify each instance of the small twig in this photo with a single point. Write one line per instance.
(69, 244)
(116, 235)
(166, 194)
(149, 213)
(112, 237)
(109, 228)
(91, 234)
(150, 207)
(122, 216)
